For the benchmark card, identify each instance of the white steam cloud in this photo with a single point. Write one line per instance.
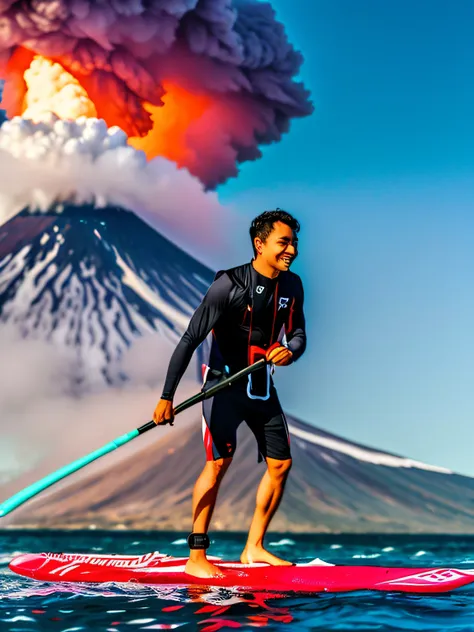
(84, 161)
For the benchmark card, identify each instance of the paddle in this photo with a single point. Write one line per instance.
(25, 494)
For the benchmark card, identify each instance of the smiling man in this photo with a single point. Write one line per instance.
(254, 311)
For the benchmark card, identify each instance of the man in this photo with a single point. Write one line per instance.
(254, 310)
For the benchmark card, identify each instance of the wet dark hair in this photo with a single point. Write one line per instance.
(262, 225)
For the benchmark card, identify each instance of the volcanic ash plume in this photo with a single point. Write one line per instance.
(202, 83)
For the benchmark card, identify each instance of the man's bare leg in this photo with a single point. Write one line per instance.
(204, 500)
(269, 494)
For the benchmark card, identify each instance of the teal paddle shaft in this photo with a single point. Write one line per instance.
(28, 492)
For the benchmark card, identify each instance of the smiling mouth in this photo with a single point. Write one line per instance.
(287, 260)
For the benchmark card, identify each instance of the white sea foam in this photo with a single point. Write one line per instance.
(283, 542)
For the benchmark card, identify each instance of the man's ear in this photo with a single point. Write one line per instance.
(258, 243)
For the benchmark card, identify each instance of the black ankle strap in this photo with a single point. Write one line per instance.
(198, 541)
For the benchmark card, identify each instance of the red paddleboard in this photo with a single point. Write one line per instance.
(317, 576)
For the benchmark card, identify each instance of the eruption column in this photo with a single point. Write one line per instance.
(204, 83)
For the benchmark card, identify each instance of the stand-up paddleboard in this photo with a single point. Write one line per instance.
(316, 576)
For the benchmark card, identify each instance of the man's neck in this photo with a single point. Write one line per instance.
(264, 269)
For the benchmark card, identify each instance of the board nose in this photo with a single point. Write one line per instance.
(27, 564)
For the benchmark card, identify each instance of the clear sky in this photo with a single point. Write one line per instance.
(381, 177)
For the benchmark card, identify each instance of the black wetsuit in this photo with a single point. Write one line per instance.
(247, 313)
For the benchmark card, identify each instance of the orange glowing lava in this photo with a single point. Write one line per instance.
(171, 123)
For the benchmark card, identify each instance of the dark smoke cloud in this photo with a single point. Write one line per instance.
(235, 52)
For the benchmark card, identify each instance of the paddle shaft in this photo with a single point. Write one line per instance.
(32, 490)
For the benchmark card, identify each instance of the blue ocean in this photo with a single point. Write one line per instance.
(27, 605)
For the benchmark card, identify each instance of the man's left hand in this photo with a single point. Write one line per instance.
(279, 356)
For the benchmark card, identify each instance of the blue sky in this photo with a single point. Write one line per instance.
(381, 178)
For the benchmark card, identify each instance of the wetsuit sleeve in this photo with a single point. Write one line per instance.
(296, 338)
(201, 323)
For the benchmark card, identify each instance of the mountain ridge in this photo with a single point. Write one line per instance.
(328, 490)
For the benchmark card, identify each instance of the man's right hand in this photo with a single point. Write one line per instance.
(164, 413)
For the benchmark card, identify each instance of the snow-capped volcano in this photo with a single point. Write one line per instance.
(95, 280)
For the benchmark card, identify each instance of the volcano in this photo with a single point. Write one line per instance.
(94, 280)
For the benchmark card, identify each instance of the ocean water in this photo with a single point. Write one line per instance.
(27, 605)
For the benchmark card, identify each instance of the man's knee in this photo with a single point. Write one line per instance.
(218, 468)
(279, 469)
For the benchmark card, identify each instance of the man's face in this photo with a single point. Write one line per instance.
(281, 247)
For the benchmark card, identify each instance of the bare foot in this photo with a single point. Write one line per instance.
(250, 555)
(203, 569)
